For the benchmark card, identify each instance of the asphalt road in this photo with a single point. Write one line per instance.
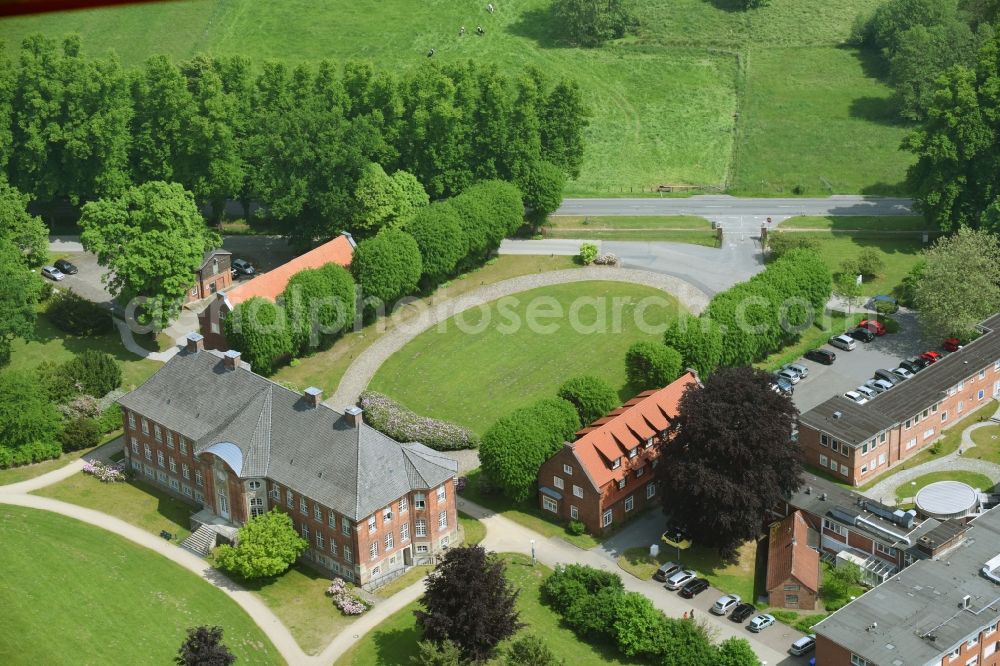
(712, 206)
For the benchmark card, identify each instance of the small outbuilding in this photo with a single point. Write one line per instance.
(793, 566)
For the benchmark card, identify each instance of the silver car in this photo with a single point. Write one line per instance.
(761, 622)
(878, 385)
(799, 369)
(677, 581)
(725, 604)
(856, 397)
(53, 273)
(790, 375)
(866, 391)
(844, 342)
(902, 373)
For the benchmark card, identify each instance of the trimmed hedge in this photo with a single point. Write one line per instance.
(652, 366)
(592, 396)
(29, 453)
(395, 421)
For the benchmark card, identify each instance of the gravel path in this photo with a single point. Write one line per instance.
(364, 367)
(886, 490)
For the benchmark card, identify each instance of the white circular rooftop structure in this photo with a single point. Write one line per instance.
(947, 499)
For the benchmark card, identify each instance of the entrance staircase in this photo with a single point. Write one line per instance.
(201, 542)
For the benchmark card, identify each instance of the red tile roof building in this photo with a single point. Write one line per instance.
(793, 568)
(269, 285)
(606, 475)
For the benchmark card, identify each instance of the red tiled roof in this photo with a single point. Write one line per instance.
(789, 554)
(270, 285)
(627, 427)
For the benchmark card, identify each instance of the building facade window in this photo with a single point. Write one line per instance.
(858, 661)
(606, 518)
(440, 494)
(557, 482)
(345, 526)
(419, 502)
(373, 551)
(577, 491)
(131, 419)
(568, 470)
(404, 532)
(184, 446)
(386, 515)
(257, 507)
(148, 451)
(170, 440)
(303, 506)
(317, 513)
(550, 504)
(198, 477)
(824, 440)
(443, 520)
(333, 546)
(160, 460)
(348, 554)
(305, 531)
(574, 513)
(372, 524)
(629, 502)
(823, 460)
(135, 446)
(331, 520)
(421, 528)
(843, 470)
(836, 528)
(157, 433)
(650, 489)
(173, 466)
(404, 505)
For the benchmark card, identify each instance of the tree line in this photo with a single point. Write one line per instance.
(298, 140)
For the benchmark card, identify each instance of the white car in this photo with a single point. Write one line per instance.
(725, 604)
(867, 391)
(902, 373)
(801, 370)
(53, 273)
(856, 397)
(760, 623)
(678, 580)
(845, 342)
(790, 375)
(878, 385)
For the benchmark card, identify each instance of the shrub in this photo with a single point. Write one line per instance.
(110, 419)
(26, 415)
(606, 259)
(266, 546)
(395, 421)
(108, 473)
(258, 329)
(348, 603)
(319, 305)
(591, 615)
(568, 582)
(76, 315)
(588, 252)
(886, 307)
(651, 365)
(80, 433)
(437, 229)
(81, 406)
(576, 528)
(591, 396)
(698, 340)
(29, 453)
(387, 266)
(870, 263)
(516, 445)
(530, 650)
(95, 372)
(779, 243)
(488, 212)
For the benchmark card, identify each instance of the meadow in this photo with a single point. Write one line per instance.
(759, 102)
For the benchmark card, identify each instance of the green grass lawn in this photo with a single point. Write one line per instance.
(858, 223)
(899, 253)
(395, 640)
(76, 594)
(325, 368)
(910, 490)
(526, 514)
(664, 103)
(814, 119)
(501, 360)
(134, 502)
(472, 529)
(949, 441)
(731, 577)
(987, 446)
(52, 344)
(671, 228)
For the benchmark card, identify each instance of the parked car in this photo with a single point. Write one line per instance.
(742, 612)
(914, 364)
(931, 357)
(725, 604)
(242, 267)
(66, 267)
(679, 579)
(666, 570)
(803, 645)
(53, 273)
(862, 334)
(760, 623)
(866, 391)
(675, 530)
(952, 344)
(694, 587)
(783, 386)
(902, 373)
(856, 397)
(790, 376)
(876, 327)
(843, 342)
(878, 385)
(824, 356)
(887, 376)
(801, 370)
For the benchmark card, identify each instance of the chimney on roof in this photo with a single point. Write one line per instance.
(837, 414)
(353, 416)
(231, 359)
(314, 396)
(195, 343)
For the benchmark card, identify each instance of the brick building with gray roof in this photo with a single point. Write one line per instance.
(234, 444)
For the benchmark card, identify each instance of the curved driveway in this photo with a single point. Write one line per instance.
(364, 367)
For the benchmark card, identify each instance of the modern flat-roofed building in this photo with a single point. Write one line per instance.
(942, 611)
(856, 442)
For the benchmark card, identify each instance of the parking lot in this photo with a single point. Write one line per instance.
(854, 367)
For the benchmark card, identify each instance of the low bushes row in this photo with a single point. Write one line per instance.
(78, 316)
(395, 421)
(29, 453)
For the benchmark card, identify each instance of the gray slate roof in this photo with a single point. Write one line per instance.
(924, 601)
(927, 387)
(211, 253)
(312, 450)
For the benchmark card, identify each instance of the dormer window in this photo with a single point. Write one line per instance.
(621, 484)
(632, 453)
(649, 442)
(617, 463)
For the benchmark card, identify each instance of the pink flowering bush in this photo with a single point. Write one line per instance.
(606, 259)
(106, 473)
(344, 599)
(399, 423)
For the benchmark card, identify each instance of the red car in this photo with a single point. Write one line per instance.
(951, 344)
(875, 327)
(931, 356)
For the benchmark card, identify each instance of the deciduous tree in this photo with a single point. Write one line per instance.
(516, 445)
(437, 229)
(698, 340)
(95, 372)
(530, 650)
(26, 415)
(265, 547)
(164, 110)
(151, 240)
(591, 396)
(259, 329)
(960, 283)
(734, 457)
(387, 266)
(592, 22)
(650, 365)
(25, 231)
(204, 647)
(468, 600)
(18, 297)
(319, 305)
(736, 652)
